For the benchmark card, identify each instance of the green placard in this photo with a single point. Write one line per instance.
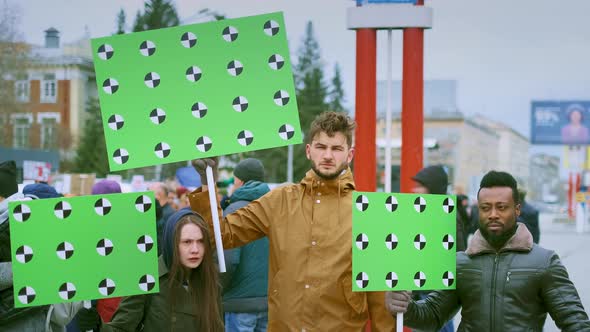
(83, 248)
(196, 91)
(403, 242)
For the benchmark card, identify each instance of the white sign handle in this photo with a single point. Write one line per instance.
(215, 216)
(399, 322)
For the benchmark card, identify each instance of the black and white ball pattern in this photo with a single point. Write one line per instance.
(102, 206)
(110, 85)
(104, 247)
(105, 52)
(116, 122)
(24, 254)
(193, 73)
(106, 287)
(420, 241)
(152, 80)
(448, 205)
(420, 279)
(281, 98)
(448, 241)
(391, 241)
(62, 209)
(240, 104)
(21, 212)
(162, 150)
(286, 131)
(157, 116)
(145, 243)
(362, 241)
(448, 279)
(420, 204)
(391, 203)
(362, 203)
(245, 137)
(276, 62)
(188, 39)
(199, 110)
(271, 28)
(67, 291)
(391, 279)
(204, 143)
(362, 280)
(64, 250)
(147, 48)
(147, 282)
(120, 156)
(143, 203)
(235, 68)
(26, 295)
(230, 34)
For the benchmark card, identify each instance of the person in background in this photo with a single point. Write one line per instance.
(529, 216)
(189, 286)
(245, 283)
(161, 194)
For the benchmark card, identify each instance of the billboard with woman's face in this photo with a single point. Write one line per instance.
(560, 122)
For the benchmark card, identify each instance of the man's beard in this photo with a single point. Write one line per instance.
(497, 240)
(329, 176)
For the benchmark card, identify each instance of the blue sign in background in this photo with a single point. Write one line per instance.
(560, 122)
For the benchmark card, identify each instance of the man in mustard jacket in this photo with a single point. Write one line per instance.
(309, 226)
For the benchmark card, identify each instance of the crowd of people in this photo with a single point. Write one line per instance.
(289, 257)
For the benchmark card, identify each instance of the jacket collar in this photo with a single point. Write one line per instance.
(522, 240)
(341, 184)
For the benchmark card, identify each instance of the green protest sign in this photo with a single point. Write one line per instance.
(403, 242)
(83, 248)
(196, 91)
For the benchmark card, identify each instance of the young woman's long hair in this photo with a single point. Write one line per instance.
(203, 281)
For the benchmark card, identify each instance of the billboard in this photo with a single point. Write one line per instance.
(560, 122)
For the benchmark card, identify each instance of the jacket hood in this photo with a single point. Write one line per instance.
(434, 178)
(250, 191)
(343, 183)
(522, 240)
(169, 232)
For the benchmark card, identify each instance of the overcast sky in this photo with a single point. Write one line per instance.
(503, 53)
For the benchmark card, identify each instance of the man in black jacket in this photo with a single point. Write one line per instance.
(505, 282)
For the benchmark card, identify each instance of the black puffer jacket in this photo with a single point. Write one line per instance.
(509, 290)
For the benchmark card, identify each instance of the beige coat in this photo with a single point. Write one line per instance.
(309, 226)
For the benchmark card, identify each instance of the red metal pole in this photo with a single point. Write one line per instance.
(570, 196)
(365, 164)
(412, 105)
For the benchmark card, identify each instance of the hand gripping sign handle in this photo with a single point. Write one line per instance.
(87, 305)
(400, 322)
(215, 216)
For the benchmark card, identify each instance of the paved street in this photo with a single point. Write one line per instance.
(574, 251)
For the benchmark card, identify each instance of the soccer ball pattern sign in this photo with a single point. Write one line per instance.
(196, 91)
(403, 242)
(83, 248)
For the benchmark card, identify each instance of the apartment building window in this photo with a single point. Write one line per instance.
(21, 131)
(48, 89)
(22, 90)
(48, 125)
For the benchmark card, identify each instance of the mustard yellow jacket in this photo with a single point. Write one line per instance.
(309, 226)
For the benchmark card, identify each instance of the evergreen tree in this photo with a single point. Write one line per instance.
(156, 14)
(120, 22)
(91, 156)
(336, 95)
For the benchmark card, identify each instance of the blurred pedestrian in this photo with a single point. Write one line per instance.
(529, 216)
(161, 194)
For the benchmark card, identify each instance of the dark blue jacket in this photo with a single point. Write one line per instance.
(530, 217)
(245, 283)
